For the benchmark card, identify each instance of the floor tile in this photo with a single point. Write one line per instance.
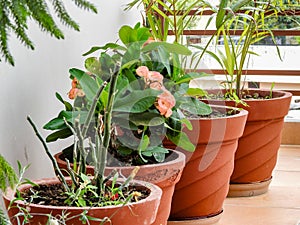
(280, 205)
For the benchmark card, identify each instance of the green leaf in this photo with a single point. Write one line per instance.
(68, 106)
(132, 54)
(88, 84)
(143, 34)
(196, 92)
(145, 141)
(8, 176)
(113, 46)
(182, 141)
(186, 78)
(136, 101)
(122, 120)
(147, 119)
(60, 134)
(127, 35)
(187, 123)
(221, 13)
(171, 48)
(55, 124)
(196, 107)
(157, 152)
(93, 65)
(159, 157)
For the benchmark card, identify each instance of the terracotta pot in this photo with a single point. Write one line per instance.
(204, 183)
(165, 175)
(256, 155)
(142, 212)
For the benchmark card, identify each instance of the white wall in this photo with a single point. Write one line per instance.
(29, 87)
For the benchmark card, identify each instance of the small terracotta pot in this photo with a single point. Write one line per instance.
(204, 184)
(142, 212)
(165, 175)
(256, 155)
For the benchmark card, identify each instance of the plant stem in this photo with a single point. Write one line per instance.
(100, 167)
(54, 163)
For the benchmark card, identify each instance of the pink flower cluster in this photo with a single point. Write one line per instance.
(75, 91)
(165, 101)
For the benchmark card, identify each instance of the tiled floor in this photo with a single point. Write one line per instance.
(280, 206)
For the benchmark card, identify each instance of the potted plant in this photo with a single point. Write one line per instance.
(211, 164)
(151, 103)
(256, 155)
(80, 198)
(204, 184)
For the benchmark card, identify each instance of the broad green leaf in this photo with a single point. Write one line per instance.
(196, 92)
(127, 35)
(88, 84)
(159, 157)
(196, 107)
(136, 101)
(182, 141)
(93, 65)
(67, 105)
(171, 48)
(143, 34)
(105, 47)
(145, 141)
(147, 119)
(122, 119)
(54, 124)
(60, 134)
(132, 54)
(187, 123)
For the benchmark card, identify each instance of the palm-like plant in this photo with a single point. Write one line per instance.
(162, 16)
(15, 14)
(254, 22)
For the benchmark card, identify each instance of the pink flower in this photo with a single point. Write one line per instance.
(150, 40)
(143, 71)
(73, 93)
(74, 83)
(156, 86)
(155, 80)
(165, 103)
(155, 76)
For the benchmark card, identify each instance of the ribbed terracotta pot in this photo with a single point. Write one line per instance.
(165, 175)
(256, 155)
(142, 212)
(204, 184)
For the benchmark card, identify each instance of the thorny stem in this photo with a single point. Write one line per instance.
(100, 167)
(92, 109)
(54, 163)
(83, 153)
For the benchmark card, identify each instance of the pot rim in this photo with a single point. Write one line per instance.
(180, 159)
(284, 94)
(154, 192)
(242, 112)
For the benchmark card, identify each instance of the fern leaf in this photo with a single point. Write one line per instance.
(8, 176)
(85, 5)
(40, 13)
(14, 15)
(63, 15)
(3, 218)
(4, 24)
